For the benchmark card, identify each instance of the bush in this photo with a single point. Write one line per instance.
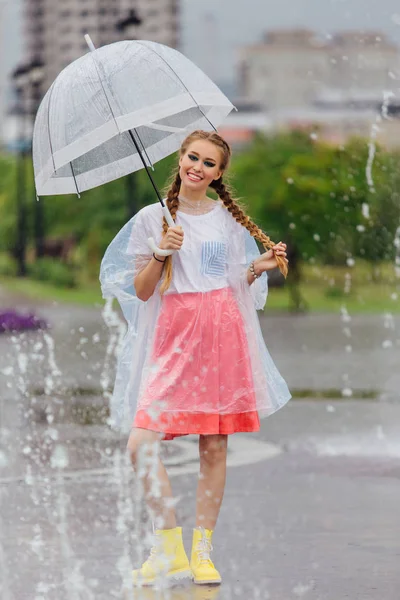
(335, 291)
(8, 265)
(48, 269)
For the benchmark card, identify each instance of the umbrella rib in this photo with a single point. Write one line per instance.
(113, 115)
(76, 184)
(48, 127)
(147, 169)
(176, 74)
(144, 149)
(104, 91)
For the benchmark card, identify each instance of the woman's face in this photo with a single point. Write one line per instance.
(200, 165)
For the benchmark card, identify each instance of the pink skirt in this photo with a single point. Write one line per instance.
(200, 380)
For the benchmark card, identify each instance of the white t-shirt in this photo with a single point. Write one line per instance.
(211, 242)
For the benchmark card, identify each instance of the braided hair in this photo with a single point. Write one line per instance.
(224, 193)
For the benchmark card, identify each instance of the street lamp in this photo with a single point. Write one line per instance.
(128, 25)
(20, 79)
(131, 20)
(36, 78)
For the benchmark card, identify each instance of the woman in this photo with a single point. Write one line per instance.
(194, 357)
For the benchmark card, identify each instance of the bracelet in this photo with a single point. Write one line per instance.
(252, 271)
(157, 259)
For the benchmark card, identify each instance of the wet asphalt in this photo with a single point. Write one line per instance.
(311, 503)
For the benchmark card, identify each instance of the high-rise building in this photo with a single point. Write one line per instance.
(10, 53)
(54, 31)
(296, 68)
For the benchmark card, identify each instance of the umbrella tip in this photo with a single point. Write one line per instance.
(89, 42)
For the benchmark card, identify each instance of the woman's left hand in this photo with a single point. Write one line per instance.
(267, 261)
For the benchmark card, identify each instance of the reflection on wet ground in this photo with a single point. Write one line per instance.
(311, 505)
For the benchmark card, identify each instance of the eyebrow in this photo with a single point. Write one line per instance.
(197, 154)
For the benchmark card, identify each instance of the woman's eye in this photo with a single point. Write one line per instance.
(209, 164)
(192, 157)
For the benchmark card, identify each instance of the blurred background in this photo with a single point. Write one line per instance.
(316, 137)
(316, 142)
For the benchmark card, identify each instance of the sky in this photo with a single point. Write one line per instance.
(213, 44)
(214, 30)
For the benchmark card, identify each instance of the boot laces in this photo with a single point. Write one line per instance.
(154, 550)
(204, 548)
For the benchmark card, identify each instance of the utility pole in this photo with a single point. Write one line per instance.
(19, 77)
(128, 25)
(36, 78)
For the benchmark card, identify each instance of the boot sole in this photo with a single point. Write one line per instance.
(207, 582)
(175, 576)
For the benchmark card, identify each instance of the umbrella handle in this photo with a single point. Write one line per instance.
(152, 243)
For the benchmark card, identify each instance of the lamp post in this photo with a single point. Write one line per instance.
(19, 77)
(128, 24)
(36, 77)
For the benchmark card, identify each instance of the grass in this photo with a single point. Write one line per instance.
(373, 299)
(88, 295)
(360, 289)
(323, 289)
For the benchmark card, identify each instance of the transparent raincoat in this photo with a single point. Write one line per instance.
(197, 350)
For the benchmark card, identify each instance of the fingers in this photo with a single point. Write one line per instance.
(174, 238)
(280, 249)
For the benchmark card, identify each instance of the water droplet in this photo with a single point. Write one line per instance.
(387, 344)
(347, 392)
(59, 459)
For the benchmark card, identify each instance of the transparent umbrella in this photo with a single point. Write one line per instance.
(118, 109)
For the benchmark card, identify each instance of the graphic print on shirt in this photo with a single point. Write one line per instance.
(213, 258)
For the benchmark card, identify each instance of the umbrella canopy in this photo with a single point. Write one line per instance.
(116, 107)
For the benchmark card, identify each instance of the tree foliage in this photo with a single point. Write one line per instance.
(297, 188)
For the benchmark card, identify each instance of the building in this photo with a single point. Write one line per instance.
(10, 53)
(54, 31)
(296, 68)
(288, 68)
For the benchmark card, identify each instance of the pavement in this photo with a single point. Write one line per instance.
(311, 503)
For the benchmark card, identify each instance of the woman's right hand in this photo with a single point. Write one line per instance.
(173, 239)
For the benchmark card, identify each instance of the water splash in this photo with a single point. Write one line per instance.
(5, 591)
(74, 582)
(387, 95)
(54, 377)
(125, 519)
(117, 329)
(397, 253)
(346, 320)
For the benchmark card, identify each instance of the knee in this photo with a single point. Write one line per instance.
(213, 449)
(141, 445)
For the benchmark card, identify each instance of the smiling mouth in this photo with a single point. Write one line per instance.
(194, 177)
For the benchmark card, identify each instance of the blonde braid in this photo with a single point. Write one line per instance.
(239, 215)
(173, 205)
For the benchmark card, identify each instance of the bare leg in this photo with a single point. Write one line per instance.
(143, 446)
(211, 486)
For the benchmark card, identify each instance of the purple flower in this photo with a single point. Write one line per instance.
(10, 320)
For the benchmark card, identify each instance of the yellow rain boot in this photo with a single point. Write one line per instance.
(167, 559)
(203, 570)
